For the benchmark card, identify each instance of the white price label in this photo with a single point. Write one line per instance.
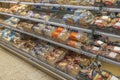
(114, 78)
(117, 24)
(96, 48)
(105, 17)
(79, 36)
(98, 21)
(99, 42)
(117, 48)
(112, 54)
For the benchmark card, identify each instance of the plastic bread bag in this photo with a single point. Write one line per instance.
(109, 2)
(74, 2)
(63, 36)
(75, 44)
(63, 1)
(62, 65)
(14, 20)
(101, 23)
(38, 29)
(73, 69)
(112, 55)
(55, 56)
(100, 43)
(87, 2)
(94, 49)
(69, 19)
(29, 27)
(116, 23)
(78, 36)
(114, 48)
(42, 55)
(105, 75)
(33, 53)
(48, 31)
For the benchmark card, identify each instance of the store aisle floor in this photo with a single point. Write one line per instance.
(14, 68)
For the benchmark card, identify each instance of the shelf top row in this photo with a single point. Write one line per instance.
(66, 6)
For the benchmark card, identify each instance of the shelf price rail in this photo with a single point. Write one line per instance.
(79, 51)
(66, 6)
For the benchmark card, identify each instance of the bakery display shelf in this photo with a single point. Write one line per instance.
(47, 22)
(53, 42)
(65, 46)
(66, 6)
(62, 25)
(44, 66)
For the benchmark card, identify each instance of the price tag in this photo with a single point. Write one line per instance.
(96, 48)
(114, 78)
(100, 42)
(112, 54)
(98, 21)
(117, 24)
(105, 17)
(117, 48)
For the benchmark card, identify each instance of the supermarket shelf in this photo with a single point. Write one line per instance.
(66, 6)
(62, 25)
(65, 46)
(53, 42)
(56, 5)
(47, 22)
(61, 75)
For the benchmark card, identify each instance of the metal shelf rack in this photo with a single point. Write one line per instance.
(59, 74)
(64, 46)
(59, 24)
(66, 6)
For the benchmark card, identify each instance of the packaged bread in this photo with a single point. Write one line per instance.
(73, 69)
(116, 23)
(28, 27)
(63, 36)
(75, 44)
(48, 31)
(27, 46)
(78, 37)
(106, 18)
(109, 2)
(74, 2)
(62, 65)
(100, 23)
(38, 28)
(94, 49)
(68, 19)
(112, 55)
(114, 48)
(63, 1)
(100, 43)
(55, 56)
(33, 53)
(57, 32)
(14, 20)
